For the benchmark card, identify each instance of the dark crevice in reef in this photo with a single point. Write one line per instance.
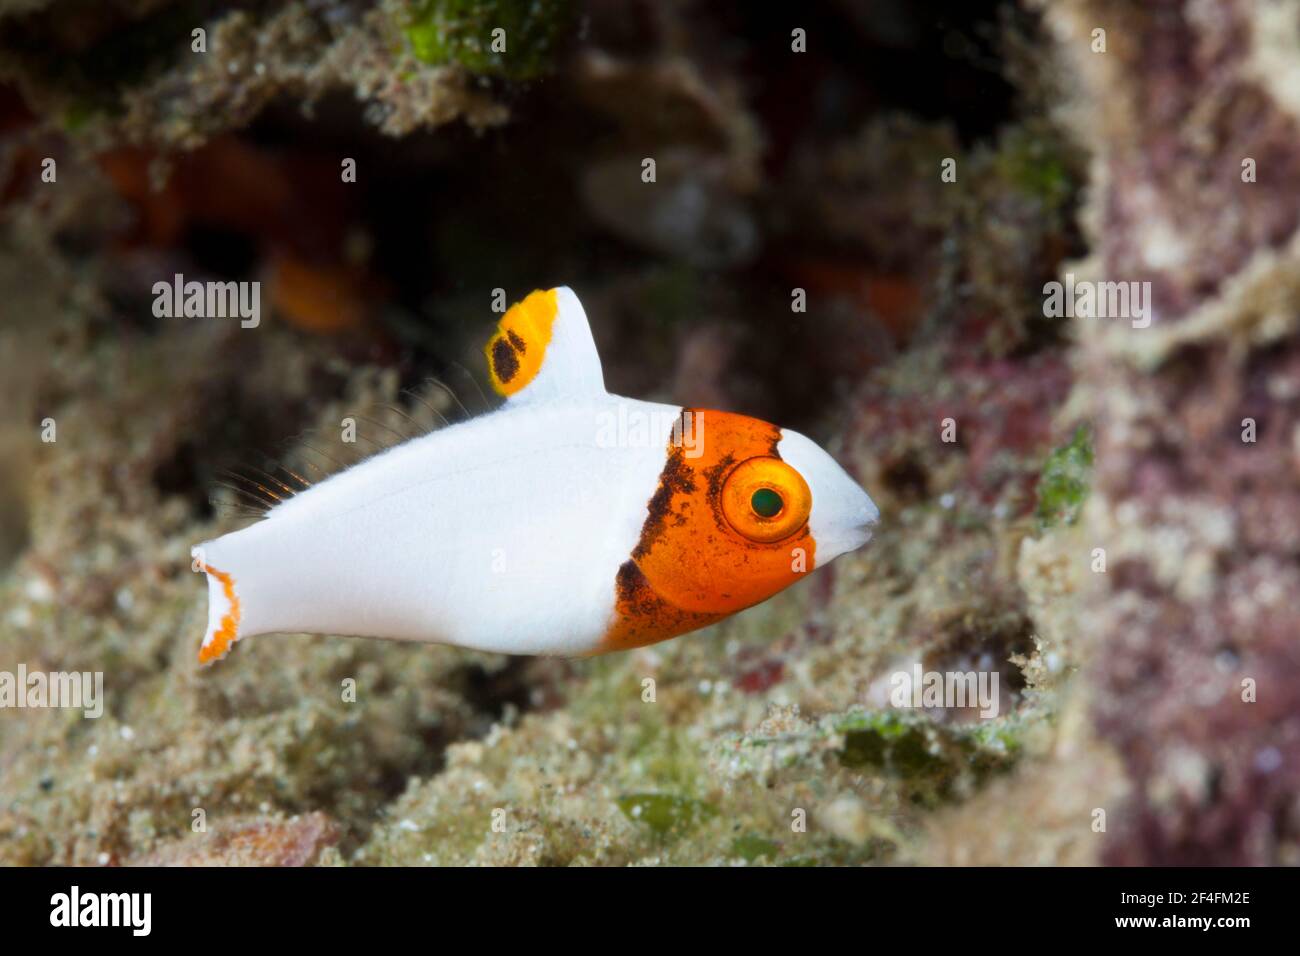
(935, 60)
(95, 51)
(924, 301)
(231, 429)
(907, 478)
(986, 644)
(518, 686)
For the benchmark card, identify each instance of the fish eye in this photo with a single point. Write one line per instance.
(766, 500)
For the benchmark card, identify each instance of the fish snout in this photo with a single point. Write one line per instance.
(861, 519)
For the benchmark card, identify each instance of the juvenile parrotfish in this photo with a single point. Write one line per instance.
(568, 521)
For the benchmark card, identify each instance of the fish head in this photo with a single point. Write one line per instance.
(743, 509)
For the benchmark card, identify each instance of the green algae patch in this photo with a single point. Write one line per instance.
(518, 39)
(1065, 481)
(751, 847)
(888, 742)
(1032, 160)
(77, 116)
(933, 763)
(665, 813)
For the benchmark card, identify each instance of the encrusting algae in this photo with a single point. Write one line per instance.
(1003, 446)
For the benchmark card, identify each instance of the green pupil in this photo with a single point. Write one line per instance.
(766, 503)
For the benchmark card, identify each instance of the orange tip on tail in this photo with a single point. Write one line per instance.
(223, 616)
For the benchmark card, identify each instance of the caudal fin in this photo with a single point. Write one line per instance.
(223, 612)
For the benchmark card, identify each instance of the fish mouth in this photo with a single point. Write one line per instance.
(861, 532)
(865, 525)
(868, 517)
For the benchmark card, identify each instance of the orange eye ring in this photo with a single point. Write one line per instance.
(766, 500)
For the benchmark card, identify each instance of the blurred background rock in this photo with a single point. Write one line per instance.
(776, 170)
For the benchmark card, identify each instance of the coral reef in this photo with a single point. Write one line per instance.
(1197, 508)
(133, 72)
(1070, 504)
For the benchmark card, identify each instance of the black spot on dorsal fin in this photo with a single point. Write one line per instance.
(505, 357)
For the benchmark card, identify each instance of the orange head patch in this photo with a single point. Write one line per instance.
(515, 353)
(726, 528)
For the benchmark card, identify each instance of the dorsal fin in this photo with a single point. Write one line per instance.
(543, 350)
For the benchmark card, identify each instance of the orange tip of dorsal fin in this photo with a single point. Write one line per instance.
(222, 600)
(516, 351)
(543, 351)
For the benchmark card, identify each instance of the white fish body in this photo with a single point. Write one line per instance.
(507, 532)
(501, 533)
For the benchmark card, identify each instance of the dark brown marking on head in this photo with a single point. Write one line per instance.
(676, 478)
(518, 344)
(644, 616)
(504, 361)
(637, 603)
(633, 589)
(690, 568)
(716, 476)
